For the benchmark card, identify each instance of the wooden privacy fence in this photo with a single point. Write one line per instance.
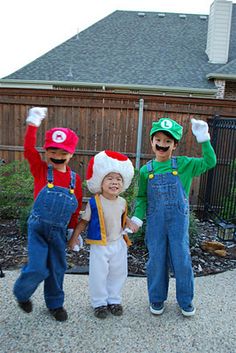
(103, 120)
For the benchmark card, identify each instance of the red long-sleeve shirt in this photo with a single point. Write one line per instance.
(39, 170)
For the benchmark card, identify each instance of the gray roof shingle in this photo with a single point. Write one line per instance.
(228, 69)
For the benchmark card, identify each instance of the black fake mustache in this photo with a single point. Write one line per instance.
(160, 148)
(58, 161)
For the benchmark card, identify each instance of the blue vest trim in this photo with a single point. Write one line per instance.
(96, 228)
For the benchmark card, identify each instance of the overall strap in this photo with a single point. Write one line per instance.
(174, 165)
(149, 166)
(150, 170)
(72, 181)
(50, 174)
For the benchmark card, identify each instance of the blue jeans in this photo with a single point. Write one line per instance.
(47, 226)
(167, 239)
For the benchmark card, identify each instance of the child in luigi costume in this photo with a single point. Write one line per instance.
(109, 173)
(164, 187)
(57, 202)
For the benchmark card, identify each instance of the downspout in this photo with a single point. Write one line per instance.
(139, 137)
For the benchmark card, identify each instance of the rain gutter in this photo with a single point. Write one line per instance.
(221, 76)
(119, 88)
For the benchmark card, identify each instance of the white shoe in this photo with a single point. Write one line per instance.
(157, 308)
(188, 311)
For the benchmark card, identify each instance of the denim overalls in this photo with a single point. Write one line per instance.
(167, 237)
(47, 226)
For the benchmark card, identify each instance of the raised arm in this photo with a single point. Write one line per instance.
(33, 120)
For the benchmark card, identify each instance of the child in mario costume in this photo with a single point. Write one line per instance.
(164, 187)
(58, 200)
(109, 173)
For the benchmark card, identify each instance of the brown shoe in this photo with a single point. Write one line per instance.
(101, 312)
(27, 306)
(116, 309)
(59, 314)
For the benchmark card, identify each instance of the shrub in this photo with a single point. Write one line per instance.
(16, 189)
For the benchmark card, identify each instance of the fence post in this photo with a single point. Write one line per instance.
(139, 138)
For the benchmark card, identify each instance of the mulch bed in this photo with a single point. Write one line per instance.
(13, 252)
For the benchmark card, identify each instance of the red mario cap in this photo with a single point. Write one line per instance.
(60, 137)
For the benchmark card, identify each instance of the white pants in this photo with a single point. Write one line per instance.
(107, 272)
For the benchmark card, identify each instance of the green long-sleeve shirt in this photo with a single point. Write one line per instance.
(188, 167)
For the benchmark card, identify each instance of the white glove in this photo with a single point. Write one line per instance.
(79, 246)
(36, 115)
(137, 221)
(200, 130)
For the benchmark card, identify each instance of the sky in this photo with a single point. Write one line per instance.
(31, 28)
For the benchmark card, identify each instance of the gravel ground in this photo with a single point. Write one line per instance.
(211, 330)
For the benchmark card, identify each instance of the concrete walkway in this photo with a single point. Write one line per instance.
(212, 330)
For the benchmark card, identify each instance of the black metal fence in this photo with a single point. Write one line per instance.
(217, 193)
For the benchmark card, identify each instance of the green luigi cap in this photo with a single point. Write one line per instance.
(168, 125)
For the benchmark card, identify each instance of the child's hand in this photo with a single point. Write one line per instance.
(36, 115)
(79, 244)
(200, 130)
(133, 227)
(135, 224)
(76, 244)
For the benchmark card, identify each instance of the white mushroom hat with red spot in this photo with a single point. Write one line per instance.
(106, 162)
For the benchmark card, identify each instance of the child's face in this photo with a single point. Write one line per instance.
(162, 146)
(58, 158)
(112, 185)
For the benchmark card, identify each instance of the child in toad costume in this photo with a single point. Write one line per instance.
(109, 173)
